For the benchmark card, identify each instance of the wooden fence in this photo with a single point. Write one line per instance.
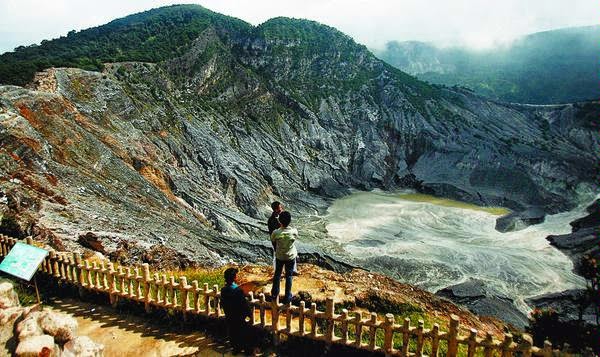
(193, 298)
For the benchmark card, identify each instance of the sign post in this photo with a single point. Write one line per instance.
(23, 261)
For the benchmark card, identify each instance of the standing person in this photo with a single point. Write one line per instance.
(273, 224)
(236, 309)
(284, 239)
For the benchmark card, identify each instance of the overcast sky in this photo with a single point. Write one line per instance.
(476, 23)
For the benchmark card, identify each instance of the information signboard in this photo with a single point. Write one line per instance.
(23, 260)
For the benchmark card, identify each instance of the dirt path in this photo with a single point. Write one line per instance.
(131, 335)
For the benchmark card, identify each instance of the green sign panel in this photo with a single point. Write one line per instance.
(23, 260)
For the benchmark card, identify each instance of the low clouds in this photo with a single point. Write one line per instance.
(477, 23)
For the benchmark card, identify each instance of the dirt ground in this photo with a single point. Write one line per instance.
(134, 336)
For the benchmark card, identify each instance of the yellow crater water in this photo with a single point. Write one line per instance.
(419, 197)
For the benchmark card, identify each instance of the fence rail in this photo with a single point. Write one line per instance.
(371, 334)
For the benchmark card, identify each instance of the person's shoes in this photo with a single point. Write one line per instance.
(295, 273)
(285, 300)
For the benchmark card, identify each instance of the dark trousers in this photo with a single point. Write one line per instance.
(239, 334)
(289, 268)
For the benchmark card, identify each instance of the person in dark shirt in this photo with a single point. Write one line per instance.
(273, 222)
(236, 309)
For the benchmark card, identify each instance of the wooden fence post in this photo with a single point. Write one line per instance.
(138, 280)
(358, 330)
(453, 336)
(55, 272)
(80, 277)
(313, 320)
(275, 319)
(206, 300)
(373, 331)
(344, 327)
(488, 350)
(288, 317)
(196, 296)
(329, 309)
(527, 345)
(435, 340)
(217, 300)
(301, 312)
(388, 334)
(183, 288)
(419, 333)
(405, 336)
(547, 349)
(111, 282)
(472, 343)
(506, 345)
(252, 309)
(103, 284)
(147, 279)
(261, 308)
(98, 285)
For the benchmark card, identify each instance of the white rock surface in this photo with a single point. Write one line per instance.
(8, 296)
(29, 326)
(83, 346)
(63, 327)
(8, 317)
(33, 346)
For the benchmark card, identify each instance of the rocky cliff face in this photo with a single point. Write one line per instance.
(189, 152)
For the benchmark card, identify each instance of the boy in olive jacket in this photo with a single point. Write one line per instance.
(283, 239)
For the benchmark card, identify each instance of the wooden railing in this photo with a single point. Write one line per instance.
(371, 334)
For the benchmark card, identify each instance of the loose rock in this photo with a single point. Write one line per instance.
(83, 346)
(61, 326)
(516, 221)
(29, 327)
(33, 346)
(8, 296)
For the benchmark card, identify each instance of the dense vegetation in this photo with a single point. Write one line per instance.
(149, 36)
(548, 67)
(312, 59)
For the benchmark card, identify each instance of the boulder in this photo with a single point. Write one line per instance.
(8, 318)
(516, 221)
(567, 305)
(8, 296)
(83, 346)
(577, 244)
(35, 346)
(481, 300)
(29, 326)
(63, 327)
(591, 220)
(91, 241)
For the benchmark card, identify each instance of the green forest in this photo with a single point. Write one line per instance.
(150, 36)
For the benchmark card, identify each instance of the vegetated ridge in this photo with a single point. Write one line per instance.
(557, 66)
